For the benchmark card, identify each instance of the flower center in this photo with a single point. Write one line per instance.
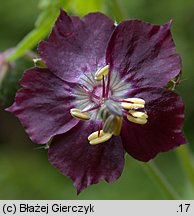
(100, 97)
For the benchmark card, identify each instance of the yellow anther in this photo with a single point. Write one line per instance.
(95, 135)
(101, 72)
(138, 114)
(135, 103)
(137, 120)
(132, 106)
(137, 117)
(136, 100)
(76, 113)
(95, 139)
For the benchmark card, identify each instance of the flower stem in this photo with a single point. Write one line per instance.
(187, 162)
(161, 180)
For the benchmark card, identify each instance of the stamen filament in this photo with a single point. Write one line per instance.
(125, 111)
(119, 101)
(86, 90)
(103, 87)
(108, 84)
(92, 108)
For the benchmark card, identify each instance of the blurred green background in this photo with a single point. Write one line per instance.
(24, 171)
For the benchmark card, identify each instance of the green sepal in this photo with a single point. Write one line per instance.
(10, 82)
(171, 85)
(39, 63)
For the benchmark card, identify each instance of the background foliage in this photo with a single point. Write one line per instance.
(24, 171)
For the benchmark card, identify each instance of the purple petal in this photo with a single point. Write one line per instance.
(76, 46)
(72, 154)
(43, 105)
(143, 53)
(162, 132)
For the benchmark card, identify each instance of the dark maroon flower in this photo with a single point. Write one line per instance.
(102, 95)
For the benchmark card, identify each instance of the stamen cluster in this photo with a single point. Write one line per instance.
(111, 111)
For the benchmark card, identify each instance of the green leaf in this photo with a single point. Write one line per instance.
(43, 25)
(41, 18)
(34, 36)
